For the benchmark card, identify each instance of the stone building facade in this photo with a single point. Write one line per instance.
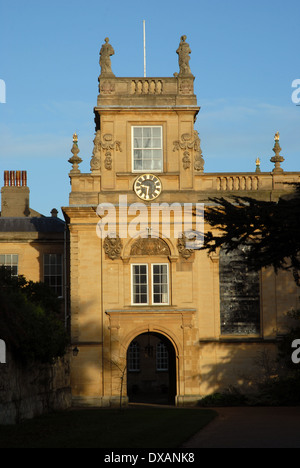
(31, 244)
(152, 316)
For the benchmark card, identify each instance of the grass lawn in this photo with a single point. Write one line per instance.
(108, 428)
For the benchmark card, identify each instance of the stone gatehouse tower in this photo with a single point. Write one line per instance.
(150, 315)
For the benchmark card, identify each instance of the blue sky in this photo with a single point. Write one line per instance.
(245, 56)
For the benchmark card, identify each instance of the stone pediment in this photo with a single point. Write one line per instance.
(149, 246)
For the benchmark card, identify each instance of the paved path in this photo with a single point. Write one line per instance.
(250, 428)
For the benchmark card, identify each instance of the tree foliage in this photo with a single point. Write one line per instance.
(30, 321)
(271, 230)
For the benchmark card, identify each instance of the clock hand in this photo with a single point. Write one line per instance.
(147, 188)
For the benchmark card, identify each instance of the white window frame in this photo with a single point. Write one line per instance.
(56, 275)
(142, 170)
(168, 284)
(150, 285)
(133, 284)
(8, 262)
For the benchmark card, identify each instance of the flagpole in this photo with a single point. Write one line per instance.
(144, 31)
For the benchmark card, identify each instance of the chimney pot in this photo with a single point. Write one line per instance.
(24, 179)
(6, 178)
(12, 178)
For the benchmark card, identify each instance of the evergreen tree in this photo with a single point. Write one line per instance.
(271, 230)
(30, 320)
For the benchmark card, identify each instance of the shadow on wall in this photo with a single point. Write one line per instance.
(95, 375)
(239, 366)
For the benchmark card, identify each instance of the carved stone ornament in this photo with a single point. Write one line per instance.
(199, 161)
(107, 145)
(190, 142)
(113, 246)
(186, 86)
(150, 246)
(182, 249)
(96, 158)
(107, 88)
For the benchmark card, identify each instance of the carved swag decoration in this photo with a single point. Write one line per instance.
(190, 142)
(107, 145)
(113, 246)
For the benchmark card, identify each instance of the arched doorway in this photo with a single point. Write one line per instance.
(151, 370)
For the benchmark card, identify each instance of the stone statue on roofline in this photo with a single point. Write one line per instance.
(105, 63)
(183, 52)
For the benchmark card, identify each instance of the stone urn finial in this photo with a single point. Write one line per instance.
(258, 162)
(277, 159)
(75, 160)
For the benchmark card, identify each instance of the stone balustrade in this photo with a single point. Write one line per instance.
(238, 183)
(146, 86)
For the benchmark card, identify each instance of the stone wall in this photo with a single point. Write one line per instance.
(29, 391)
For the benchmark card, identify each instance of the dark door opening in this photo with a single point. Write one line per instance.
(151, 370)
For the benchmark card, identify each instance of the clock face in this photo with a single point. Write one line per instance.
(147, 187)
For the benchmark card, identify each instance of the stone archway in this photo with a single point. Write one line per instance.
(151, 369)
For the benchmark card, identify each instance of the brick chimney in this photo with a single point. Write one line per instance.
(15, 195)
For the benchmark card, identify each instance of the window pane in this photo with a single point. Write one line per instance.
(157, 132)
(147, 154)
(10, 261)
(138, 131)
(157, 165)
(138, 165)
(14, 259)
(156, 143)
(147, 143)
(53, 272)
(138, 143)
(146, 132)
(160, 284)
(134, 357)
(139, 284)
(162, 357)
(239, 294)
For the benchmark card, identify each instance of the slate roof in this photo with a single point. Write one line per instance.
(42, 224)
